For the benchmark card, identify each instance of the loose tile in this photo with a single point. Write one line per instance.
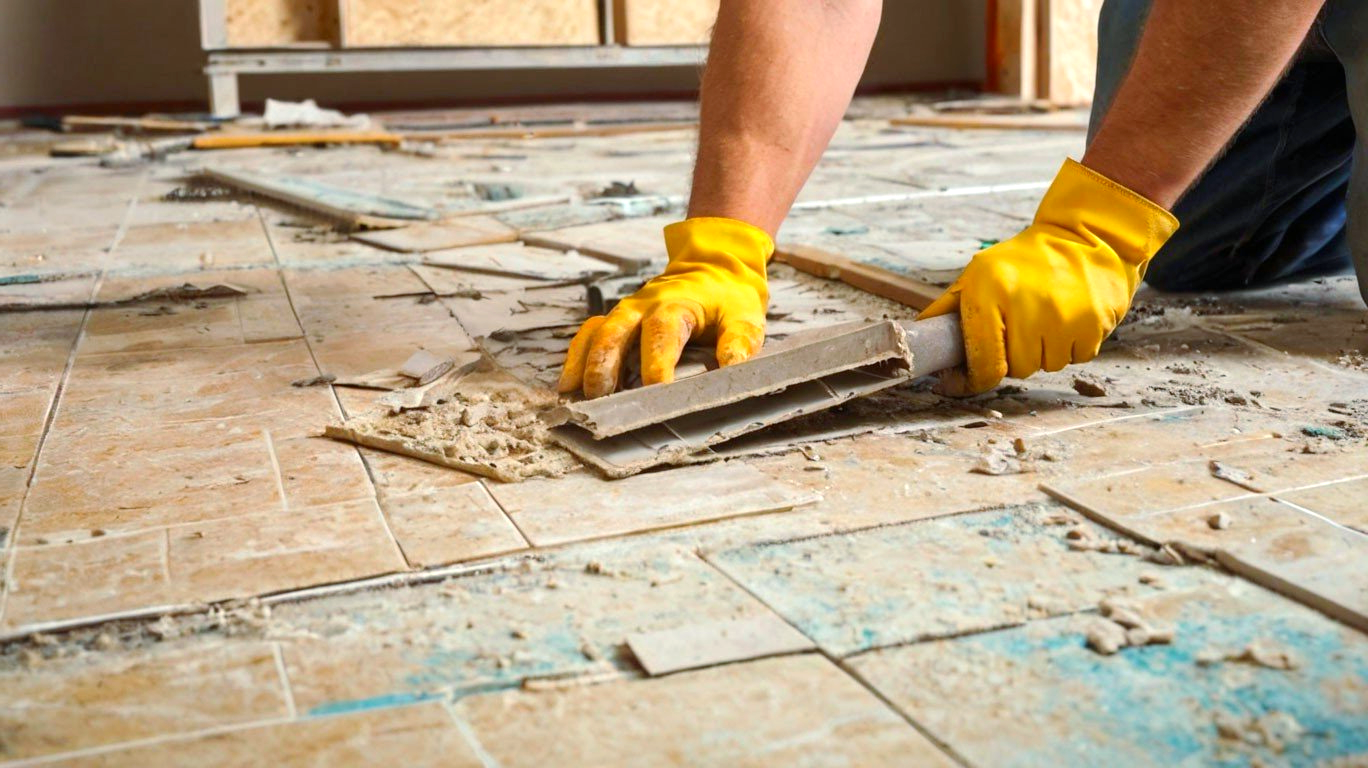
(708, 644)
(136, 696)
(450, 525)
(585, 506)
(421, 735)
(796, 710)
(259, 553)
(1037, 695)
(935, 578)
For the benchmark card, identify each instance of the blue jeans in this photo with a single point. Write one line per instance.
(1289, 198)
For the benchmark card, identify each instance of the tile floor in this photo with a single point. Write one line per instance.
(192, 575)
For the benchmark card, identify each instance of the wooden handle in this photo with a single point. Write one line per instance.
(294, 138)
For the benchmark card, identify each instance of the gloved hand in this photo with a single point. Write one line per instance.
(713, 290)
(1050, 296)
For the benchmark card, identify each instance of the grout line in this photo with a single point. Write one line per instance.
(121, 746)
(166, 555)
(472, 740)
(275, 468)
(286, 688)
(507, 516)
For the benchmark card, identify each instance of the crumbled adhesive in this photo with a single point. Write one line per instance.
(489, 427)
(1122, 625)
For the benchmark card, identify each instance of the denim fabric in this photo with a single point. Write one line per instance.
(1273, 207)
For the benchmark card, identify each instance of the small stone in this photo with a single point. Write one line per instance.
(1219, 521)
(1088, 387)
(1106, 637)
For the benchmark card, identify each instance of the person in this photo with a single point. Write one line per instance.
(1234, 117)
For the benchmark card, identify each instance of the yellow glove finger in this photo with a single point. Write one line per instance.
(1085, 348)
(985, 346)
(948, 303)
(738, 340)
(663, 335)
(572, 373)
(603, 363)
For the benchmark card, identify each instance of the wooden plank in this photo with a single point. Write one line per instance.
(381, 23)
(1046, 121)
(875, 280)
(1012, 47)
(664, 22)
(243, 140)
(1068, 51)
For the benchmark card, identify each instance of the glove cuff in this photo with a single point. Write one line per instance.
(1091, 205)
(723, 242)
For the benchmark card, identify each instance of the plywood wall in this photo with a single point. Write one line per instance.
(265, 23)
(470, 22)
(665, 22)
(1069, 50)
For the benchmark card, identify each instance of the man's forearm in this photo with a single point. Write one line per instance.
(780, 76)
(1201, 70)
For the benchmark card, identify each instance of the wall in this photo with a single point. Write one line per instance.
(146, 52)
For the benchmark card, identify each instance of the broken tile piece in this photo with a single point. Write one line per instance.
(437, 236)
(584, 506)
(793, 710)
(693, 646)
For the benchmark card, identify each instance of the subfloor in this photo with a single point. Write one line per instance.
(193, 575)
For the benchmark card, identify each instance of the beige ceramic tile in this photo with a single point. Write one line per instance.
(316, 471)
(24, 412)
(794, 710)
(450, 525)
(311, 286)
(99, 576)
(396, 475)
(585, 506)
(209, 323)
(273, 551)
(1289, 469)
(79, 703)
(421, 736)
(120, 485)
(16, 461)
(268, 318)
(1148, 491)
(184, 246)
(1344, 502)
(258, 283)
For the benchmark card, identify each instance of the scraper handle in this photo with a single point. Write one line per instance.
(936, 344)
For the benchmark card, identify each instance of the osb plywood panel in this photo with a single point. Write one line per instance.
(471, 22)
(1069, 50)
(262, 23)
(665, 22)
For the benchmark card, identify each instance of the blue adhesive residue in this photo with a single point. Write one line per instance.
(374, 702)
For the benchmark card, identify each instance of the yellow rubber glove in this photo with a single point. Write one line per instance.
(714, 289)
(1050, 296)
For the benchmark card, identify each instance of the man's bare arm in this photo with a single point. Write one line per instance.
(1201, 70)
(779, 79)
